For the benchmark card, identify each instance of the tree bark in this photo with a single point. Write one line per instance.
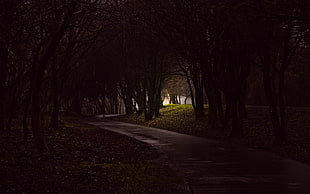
(236, 121)
(198, 86)
(158, 103)
(126, 95)
(269, 84)
(150, 105)
(199, 111)
(10, 110)
(140, 99)
(55, 113)
(274, 89)
(40, 67)
(25, 117)
(215, 103)
(3, 71)
(281, 136)
(2, 111)
(128, 106)
(36, 127)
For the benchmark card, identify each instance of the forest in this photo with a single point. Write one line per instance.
(88, 57)
(91, 56)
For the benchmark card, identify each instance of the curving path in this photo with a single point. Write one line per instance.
(213, 167)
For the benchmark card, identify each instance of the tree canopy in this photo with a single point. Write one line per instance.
(117, 56)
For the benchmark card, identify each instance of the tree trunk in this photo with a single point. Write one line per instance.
(220, 107)
(173, 99)
(242, 99)
(2, 111)
(215, 107)
(9, 125)
(141, 103)
(269, 82)
(25, 116)
(10, 110)
(194, 77)
(281, 135)
(150, 105)
(198, 85)
(2, 117)
(126, 95)
(185, 100)
(228, 111)
(236, 123)
(146, 105)
(55, 113)
(198, 81)
(3, 71)
(115, 104)
(212, 95)
(158, 103)
(199, 111)
(157, 95)
(128, 106)
(40, 67)
(37, 130)
(191, 91)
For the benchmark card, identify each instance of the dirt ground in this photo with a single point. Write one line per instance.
(83, 159)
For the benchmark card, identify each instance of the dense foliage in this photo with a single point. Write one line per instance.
(91, 57)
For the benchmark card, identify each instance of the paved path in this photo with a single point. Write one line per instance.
(214, 167)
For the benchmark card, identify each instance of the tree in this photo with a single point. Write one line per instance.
(278, 41)
(13, 66)
(178, 22)
(145, 64)
(232, 55)
(46, 50)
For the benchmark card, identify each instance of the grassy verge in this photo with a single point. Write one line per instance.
(258, 129)
(83, 159)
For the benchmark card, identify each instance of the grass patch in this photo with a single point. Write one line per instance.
(258, 128)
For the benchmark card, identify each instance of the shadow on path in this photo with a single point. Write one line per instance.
(216, 167)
